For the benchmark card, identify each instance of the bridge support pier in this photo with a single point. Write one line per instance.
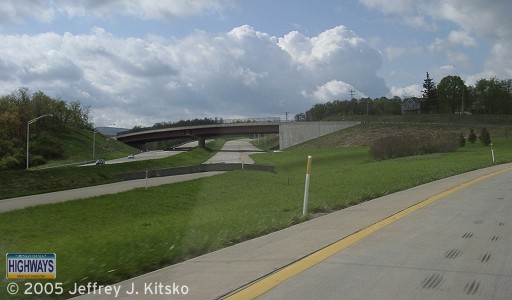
(201, 141)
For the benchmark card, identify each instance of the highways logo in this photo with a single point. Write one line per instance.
(31, 265)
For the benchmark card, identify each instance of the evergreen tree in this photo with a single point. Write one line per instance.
(430, 102)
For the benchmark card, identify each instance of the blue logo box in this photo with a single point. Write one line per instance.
(31, 266)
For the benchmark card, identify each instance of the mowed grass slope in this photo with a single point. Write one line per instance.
(110, 238)
(78, 147)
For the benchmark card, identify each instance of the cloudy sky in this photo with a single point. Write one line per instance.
(138, 62)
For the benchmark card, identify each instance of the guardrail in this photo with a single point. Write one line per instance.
(194, 169)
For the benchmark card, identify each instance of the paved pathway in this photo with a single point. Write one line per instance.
(236, 151)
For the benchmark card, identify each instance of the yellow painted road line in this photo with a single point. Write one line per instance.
(270, 281)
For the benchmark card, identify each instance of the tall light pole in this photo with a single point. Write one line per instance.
(28, 133)
(94, 141)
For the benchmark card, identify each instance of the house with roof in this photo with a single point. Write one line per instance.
(411, 106)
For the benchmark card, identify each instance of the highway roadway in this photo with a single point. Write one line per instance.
(236, 151)
(459, 247)
(156, 154)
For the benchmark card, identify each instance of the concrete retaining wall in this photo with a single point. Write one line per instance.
(294, 133)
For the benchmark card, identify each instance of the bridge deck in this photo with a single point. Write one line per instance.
(202, 131)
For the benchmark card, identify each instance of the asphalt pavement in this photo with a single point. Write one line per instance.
(456, 247)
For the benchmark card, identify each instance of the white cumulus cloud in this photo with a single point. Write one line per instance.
(334, 90)
(490, 21)
(455, 38)
(242, 72)
(408, 91)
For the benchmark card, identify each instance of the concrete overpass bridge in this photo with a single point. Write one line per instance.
(290, 133)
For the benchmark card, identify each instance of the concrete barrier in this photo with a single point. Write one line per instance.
(194, 169)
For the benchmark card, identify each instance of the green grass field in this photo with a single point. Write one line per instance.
(110, 238)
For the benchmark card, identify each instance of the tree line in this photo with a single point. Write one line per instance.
(21, 106)
(451, 95)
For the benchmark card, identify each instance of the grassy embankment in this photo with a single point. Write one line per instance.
(110, 238)
(267, 142)
(77, 145)
(21, 182)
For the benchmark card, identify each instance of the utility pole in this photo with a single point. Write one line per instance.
(462, 111)
(351, 94)
(286, 115)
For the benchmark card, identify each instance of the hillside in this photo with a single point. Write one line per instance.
(365, 134)
(78, 147)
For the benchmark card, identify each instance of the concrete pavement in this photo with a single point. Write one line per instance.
(216, 274)
(457, 247)
(236, 151)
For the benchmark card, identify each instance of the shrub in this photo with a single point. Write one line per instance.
(10, 162)
(47, 146)
(400, 146)
(392, 146)
(485, 137)
(462, 140)
(472, 136)
(37, 160)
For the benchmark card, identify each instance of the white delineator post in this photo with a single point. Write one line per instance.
(306, 187)
(492, 152)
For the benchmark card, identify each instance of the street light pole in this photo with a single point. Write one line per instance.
(94, 143)
(28, 133)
